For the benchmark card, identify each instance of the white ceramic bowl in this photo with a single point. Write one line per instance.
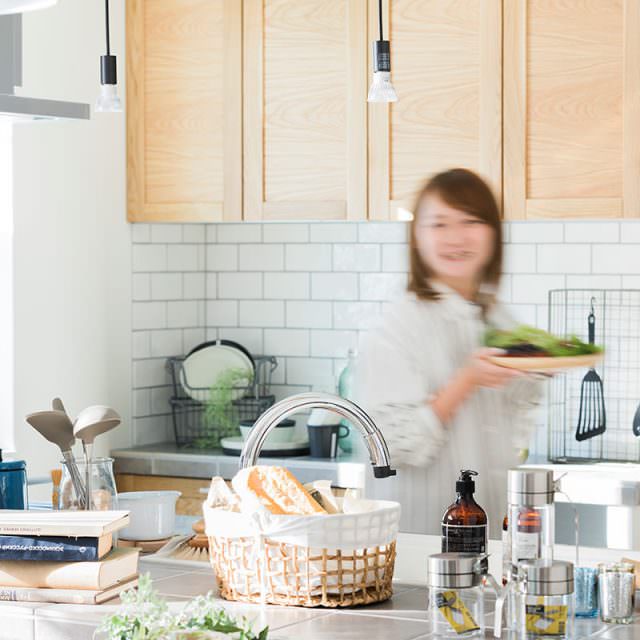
(152, 514)
(282, 432)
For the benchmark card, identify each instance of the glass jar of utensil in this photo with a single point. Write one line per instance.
(544, 600)
(456, 594)
(102, 483)
(616, 589)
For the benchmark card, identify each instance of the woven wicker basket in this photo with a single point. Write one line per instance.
(301, 576)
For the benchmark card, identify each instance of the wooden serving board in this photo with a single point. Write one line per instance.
(145, 546)
(534, 364)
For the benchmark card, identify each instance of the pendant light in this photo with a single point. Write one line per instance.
(108, 100)
(381, 89)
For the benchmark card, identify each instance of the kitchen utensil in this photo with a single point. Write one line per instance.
(592, 417)
(323, 439)
(57, 405)
(636, 422)
(56, 427)
(546, 364)
(204, 364)
(152, 514)
(90, 423)
(13, 484)
(283, 432)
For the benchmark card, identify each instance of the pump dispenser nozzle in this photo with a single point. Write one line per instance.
(465, 483)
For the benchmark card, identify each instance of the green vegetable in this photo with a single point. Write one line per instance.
(220, 420)
(144, 615)
(543, 340)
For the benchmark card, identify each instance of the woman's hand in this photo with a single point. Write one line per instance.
(482, 372)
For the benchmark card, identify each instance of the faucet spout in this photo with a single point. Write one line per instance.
(378, 451)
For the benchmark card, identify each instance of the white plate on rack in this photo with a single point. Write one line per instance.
(299, 447)
(208, 361)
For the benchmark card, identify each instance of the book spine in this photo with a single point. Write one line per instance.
(61, 596)
(48, 548)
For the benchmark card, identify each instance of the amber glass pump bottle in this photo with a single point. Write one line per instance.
(464, 523)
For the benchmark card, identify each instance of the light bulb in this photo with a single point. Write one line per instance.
(381, 89)
(108, 100)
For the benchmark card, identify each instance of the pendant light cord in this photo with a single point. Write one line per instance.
(106, 22)
(380, 17)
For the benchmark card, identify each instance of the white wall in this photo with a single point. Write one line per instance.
(72, 241)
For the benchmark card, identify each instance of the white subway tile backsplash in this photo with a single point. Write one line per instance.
(332, 344)
(286, 342)
(140, 232)
(193, 337)
(519, 258)
(285, 232)
(287, 286)
(591, 232)
(222, 313)
(193, 286)
(317, 372)
(616, 258)
(334, 286)
(251, 339)
(383, 232)
(149, 373)
(222, 257)
(185, 257)
(524, 313)
(382, 286)
(356, 257)
(167, 343)
(239, 286)
(141, 286)
(211, 232)
(166, 286)
(261, 313)
(395, 257)
(308, 257)
(140, 344)
(241, 232)
(166, 233)
(564, 258)
(149, 257)
(631, 282)
(356, 315)
(334, 232)
(590, 281)
(194, 233)
(538, 232)
(630, 231)
(160, 400)
(309, 315)
(141, 402)
(261, 257)
(186, 313)
(149, 315)
(534, 289)
(151, 429)
(212, 286)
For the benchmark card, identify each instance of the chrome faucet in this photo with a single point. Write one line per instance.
(378, 451)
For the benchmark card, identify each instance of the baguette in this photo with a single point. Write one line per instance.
(274, 489)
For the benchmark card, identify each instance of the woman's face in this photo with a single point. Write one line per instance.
(452, 243)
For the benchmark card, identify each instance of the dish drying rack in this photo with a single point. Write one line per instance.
(196, 427)
(617, 315)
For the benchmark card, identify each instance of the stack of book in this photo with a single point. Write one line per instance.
(64, 556)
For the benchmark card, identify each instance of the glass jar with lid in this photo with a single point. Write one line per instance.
(530, 495)
(456, 594)
(544, 599)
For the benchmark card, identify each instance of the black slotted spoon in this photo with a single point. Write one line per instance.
(592, 417)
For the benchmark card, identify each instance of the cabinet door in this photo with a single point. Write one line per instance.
(446, 67)
(572, 108)
(184, 106)
(305, 110)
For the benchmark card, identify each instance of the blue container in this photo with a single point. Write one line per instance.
(13, 485)
(586, 588)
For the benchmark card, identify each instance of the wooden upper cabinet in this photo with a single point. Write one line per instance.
(446, 67)
(184, 106)
(305, 110)
(572, 108)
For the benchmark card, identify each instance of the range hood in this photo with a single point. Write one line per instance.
(22, 107)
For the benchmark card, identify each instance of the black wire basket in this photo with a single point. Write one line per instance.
(203, 424)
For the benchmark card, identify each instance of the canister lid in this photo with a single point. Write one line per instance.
(530, 486)
(547, 577)
(13, 465)
(454, 569)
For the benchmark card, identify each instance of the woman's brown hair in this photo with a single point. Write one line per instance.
(466, 191)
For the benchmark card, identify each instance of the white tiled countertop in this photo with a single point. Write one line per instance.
(404, 617)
